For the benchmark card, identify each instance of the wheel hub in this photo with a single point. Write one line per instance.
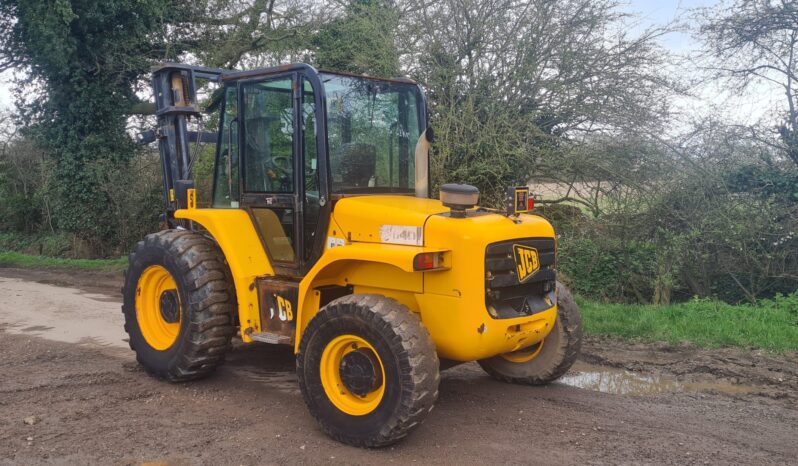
(158, 307)
(360, 372)
(352, 375)
(170, 306)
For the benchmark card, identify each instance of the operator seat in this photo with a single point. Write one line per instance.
(354, 164)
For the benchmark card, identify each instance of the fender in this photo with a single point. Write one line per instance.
(367, 265)
(234, 232)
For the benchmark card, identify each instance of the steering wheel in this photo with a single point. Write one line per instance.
(283, 163)
(280, 168)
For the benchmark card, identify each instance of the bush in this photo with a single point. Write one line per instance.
(129, 194)
(783, 303)
(608, 269)
(58, 245)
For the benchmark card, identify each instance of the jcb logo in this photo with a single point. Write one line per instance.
(526, 260)
(284, 309)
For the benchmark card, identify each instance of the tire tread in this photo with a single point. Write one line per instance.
(570, 321)
(409, 340)
(210, 306)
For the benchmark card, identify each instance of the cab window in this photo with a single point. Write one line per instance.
(269, 136)
(226, 187)
(372, 127)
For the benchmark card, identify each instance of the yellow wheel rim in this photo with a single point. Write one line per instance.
(525, 354)
(334, 387)
(159, 333)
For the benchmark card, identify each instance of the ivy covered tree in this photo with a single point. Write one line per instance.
(83, 60)
(361, 40)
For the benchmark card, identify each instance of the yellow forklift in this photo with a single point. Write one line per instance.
(322, 235)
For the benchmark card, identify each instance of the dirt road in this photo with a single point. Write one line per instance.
(72, 393)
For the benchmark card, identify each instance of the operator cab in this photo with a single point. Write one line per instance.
(292, 141)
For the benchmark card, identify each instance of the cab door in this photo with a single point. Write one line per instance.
(281, 183)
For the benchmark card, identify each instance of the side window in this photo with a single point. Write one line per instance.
(269, 136)
(226, 183)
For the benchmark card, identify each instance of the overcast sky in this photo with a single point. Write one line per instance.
(711, 98)
(660, 12)
(759, 102)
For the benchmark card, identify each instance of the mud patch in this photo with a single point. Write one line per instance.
(275, 368)
(101, 409)
(687, 368)
(285, 382)
(90, 281)
(166, 462)
(623, 382)
(102, 298)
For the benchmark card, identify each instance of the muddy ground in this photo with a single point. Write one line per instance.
(71, 393)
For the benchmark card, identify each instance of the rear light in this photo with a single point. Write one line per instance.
(428, 261)
(530, 203)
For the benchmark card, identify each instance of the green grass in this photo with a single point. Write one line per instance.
(17, 259)
(771, 325)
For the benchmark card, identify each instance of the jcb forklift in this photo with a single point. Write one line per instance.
(322, 235)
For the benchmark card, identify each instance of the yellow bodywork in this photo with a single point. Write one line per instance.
(233, 231)
(449, 301)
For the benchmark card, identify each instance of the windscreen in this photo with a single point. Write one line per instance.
(372, 129)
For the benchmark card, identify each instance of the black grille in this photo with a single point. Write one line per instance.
(505, 296)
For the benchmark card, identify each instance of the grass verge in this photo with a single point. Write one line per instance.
(771, 325)
(17, 259)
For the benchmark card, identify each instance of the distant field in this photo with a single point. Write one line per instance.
(551, 190)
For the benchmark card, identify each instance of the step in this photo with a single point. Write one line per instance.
(272, 338)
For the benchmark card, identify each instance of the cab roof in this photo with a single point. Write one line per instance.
(247, 74)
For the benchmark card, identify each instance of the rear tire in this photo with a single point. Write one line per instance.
(540, 365)
(178, 305)
(391, 346)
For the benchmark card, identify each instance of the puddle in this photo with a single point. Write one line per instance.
(622, 382)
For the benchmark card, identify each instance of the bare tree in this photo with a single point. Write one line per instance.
(520, 86)
(752, 41)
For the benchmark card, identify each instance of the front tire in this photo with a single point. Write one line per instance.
(368, 370)
(548, 360)
(178, 305)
